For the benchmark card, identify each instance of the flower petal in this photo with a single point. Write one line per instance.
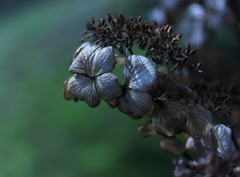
(82, 64)
(83, 88)
(80, 49)
(139, 72)
(135, 104)
(170, 117)
(104, 61)
(108, 86)
(199, 122)
(223, 135)
(112, 103)
(168, 87)
(219, 139)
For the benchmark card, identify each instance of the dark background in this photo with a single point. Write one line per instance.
(41, 134)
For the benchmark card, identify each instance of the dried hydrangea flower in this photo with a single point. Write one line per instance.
(222, 136)
(170, 114)
(93, 80)
(173, 113)
(140, 74)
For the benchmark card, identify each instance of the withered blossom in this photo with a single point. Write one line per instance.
(173, 113)
(218, 140)
(174, 106)
(158, 42)
(93, 80)
(140, 74)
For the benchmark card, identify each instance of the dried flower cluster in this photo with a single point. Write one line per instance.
(172, 107)
(159, 43)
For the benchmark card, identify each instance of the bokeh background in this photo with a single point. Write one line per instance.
(43, 135)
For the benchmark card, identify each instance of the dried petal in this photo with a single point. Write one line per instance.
(82, 63)
(80, 49)
(83, 88)
(108, 86)
(103, 61)
(223, 135)
(199, 121)
(112, 103)
(219, 139)
(136, 104)
(146, 129)
(170, 117)
(66, 95)
(91, 60)
(166, 86)
(210, 141)
(140, 73)
(236, 131)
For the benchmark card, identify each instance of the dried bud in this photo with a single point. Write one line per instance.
(192, 52)
(146, 129)
(66, 95)
(139, 18)
(172, 146)
(170, 29)
(120, 60)
(166, 28)
(109, 18)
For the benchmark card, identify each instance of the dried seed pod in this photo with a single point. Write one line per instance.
(169, 30)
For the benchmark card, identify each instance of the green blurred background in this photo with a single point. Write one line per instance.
(43, 135)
